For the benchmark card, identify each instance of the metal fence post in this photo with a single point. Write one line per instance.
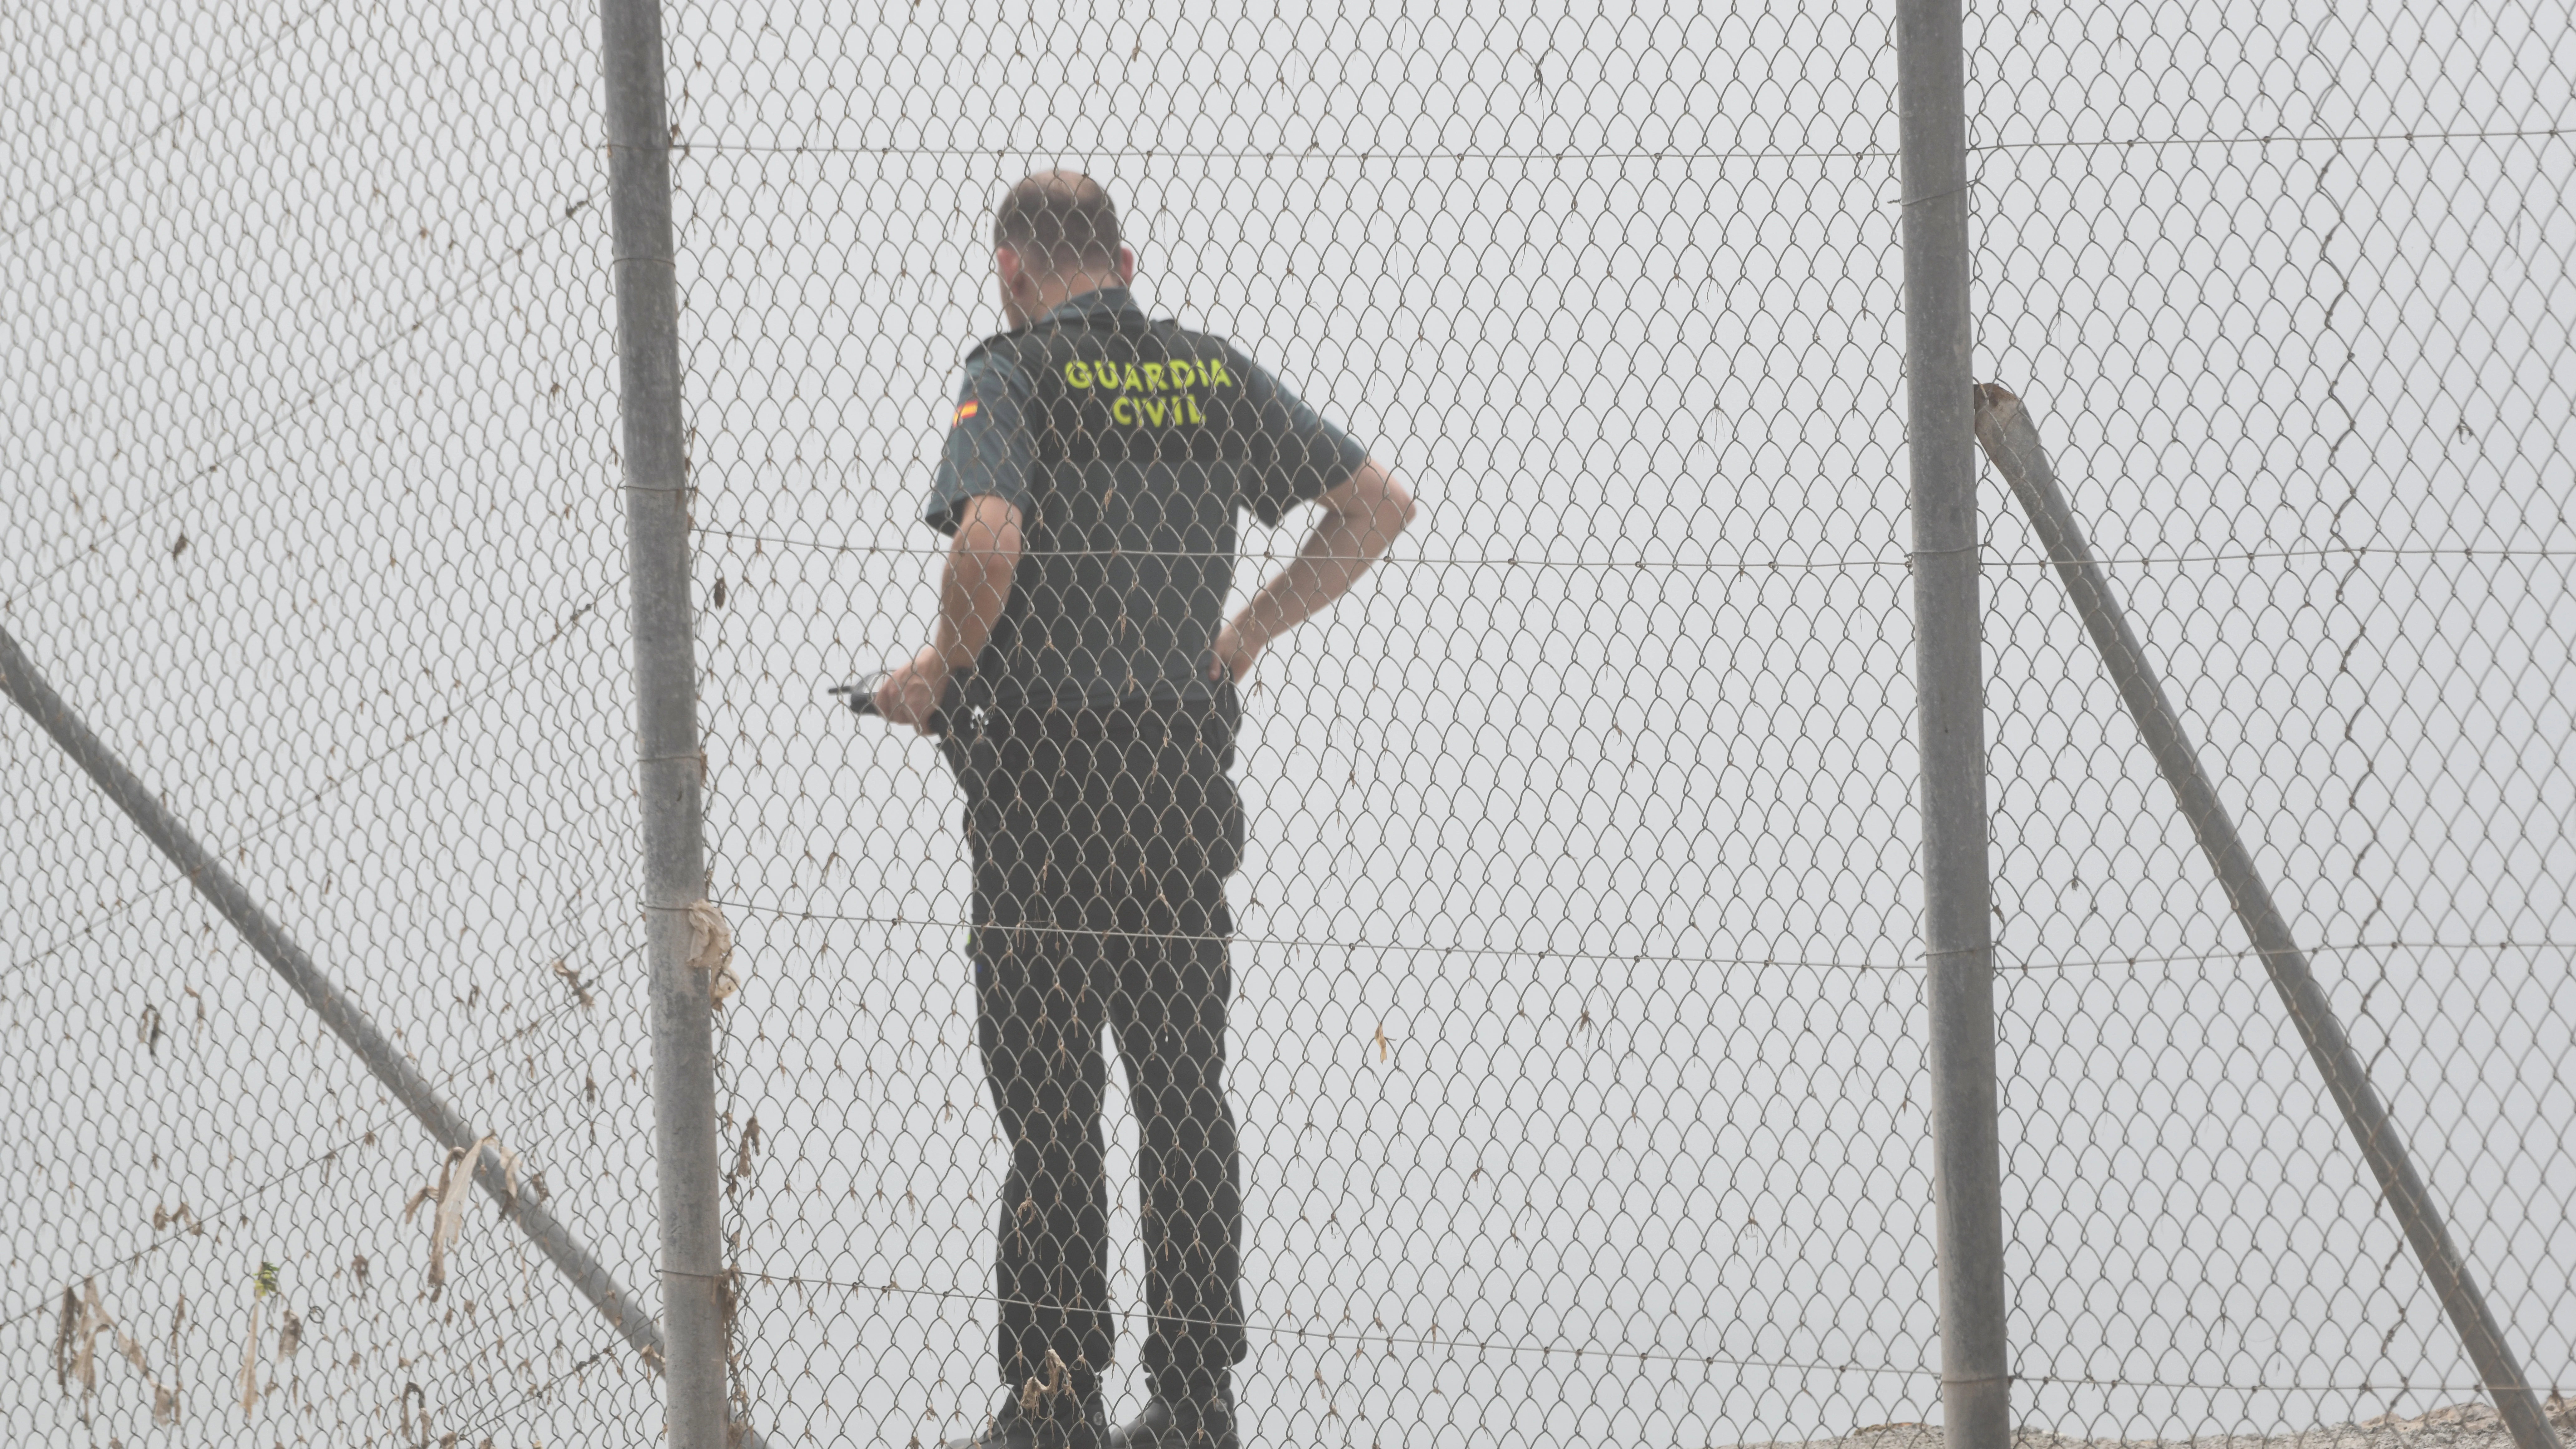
(2011, 437)
(674, 874)
(1958, 938)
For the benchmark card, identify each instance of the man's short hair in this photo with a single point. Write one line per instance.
(1059, 220)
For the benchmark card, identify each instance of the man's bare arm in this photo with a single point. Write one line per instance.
(973, 589)
(1361, 517)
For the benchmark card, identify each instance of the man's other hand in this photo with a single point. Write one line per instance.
(1360, 518)
(1232, 658)
(910, 693)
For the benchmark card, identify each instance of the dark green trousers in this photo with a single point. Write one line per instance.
(1101, 841)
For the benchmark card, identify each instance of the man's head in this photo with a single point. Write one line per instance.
(1055, 236)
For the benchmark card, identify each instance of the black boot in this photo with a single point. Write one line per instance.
(1054, 1414)
(1196, 1416)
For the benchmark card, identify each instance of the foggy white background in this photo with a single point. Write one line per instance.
(1595, 802)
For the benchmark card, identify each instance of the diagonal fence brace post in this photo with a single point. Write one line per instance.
(2011, 441)
(21, 681)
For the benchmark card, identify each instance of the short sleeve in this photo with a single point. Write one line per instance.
(987, 452)
(1296, 455)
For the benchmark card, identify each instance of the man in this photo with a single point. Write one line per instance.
(1094, 470)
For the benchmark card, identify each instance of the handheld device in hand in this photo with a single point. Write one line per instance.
(861, 696)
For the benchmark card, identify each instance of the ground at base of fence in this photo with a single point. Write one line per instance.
(2456, 1426)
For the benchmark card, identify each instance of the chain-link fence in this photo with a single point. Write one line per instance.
(313, 521)
(1576, 1018)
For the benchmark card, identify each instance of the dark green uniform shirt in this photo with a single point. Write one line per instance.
(1129, 447)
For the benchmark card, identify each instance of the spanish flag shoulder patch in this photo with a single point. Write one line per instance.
(965, 410)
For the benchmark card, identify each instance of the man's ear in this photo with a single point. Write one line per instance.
(1126, 265)
(1007, 265)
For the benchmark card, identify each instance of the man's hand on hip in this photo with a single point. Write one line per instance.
(1361, 517)
(910, 693)
(1233, 657)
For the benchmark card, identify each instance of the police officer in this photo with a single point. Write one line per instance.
(1095, 468)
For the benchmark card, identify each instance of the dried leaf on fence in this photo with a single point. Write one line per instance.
(580, 988)
(132, 1350)
(447, 1193)
(84, 1318)
(290, 1335)
(443, 1223)
(250, 1363)
(71, 1346)
(413, 1435)
(711, 950)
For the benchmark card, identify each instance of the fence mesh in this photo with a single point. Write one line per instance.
(1576, 1019)
(2278, 290)
(316, 523)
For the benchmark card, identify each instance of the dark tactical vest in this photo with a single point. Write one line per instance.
(1145, 439)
